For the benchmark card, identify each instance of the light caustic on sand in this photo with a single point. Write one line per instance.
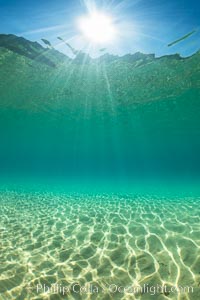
(101, 240)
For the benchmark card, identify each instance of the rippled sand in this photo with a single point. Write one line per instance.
(102, 240)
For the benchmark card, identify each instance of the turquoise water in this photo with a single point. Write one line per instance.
(135, 116)
(99, 175)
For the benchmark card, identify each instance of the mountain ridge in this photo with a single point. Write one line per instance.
(53, 58)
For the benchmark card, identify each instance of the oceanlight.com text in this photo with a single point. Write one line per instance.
(76, 288)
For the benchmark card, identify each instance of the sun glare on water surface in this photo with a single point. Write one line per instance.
(97, 27)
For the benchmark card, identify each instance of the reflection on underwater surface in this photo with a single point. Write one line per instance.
(135, 114)
(94, 131)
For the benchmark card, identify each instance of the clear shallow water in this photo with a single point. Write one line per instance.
(100, 137)
(135, 115)
(98, 240)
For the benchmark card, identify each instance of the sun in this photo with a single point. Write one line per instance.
(97, 27)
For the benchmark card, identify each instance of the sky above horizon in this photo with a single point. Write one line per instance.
(145, 26)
